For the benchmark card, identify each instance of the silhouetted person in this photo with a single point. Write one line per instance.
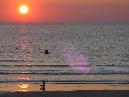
(43, 86)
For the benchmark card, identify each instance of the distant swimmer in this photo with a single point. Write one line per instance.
(46, 51)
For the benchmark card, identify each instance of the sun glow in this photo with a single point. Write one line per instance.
(23, 9)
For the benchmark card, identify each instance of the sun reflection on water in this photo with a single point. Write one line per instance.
(24, 47)
(23, 78)
(24, 72)
(23, 87)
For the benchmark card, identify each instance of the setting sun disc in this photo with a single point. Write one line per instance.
(23, 9)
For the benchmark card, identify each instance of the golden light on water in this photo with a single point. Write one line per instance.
(23, 87)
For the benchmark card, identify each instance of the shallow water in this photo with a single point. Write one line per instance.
(77, 53)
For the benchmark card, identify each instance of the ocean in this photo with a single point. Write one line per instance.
(75, 53)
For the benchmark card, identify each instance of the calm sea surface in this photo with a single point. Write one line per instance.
(77, 53)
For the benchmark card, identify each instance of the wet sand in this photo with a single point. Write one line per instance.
(65, 90)
(68, 94)
(62, 87)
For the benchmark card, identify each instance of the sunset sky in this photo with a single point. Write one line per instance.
(66, 11)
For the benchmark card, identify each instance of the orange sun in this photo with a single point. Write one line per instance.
(23, 9)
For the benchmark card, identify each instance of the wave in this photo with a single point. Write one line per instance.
(59, 73)
(69, 81)
(41, 66)
(122, 66)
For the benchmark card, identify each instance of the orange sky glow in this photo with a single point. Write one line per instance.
(66, 11)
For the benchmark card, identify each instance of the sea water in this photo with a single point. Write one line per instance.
(77, 53)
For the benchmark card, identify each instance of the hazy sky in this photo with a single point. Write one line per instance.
(66, 11)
